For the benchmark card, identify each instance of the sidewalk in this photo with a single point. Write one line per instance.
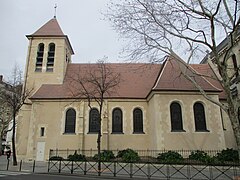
(24, 166)
(126, 170)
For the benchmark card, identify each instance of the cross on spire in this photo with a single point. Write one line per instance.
(55, 10)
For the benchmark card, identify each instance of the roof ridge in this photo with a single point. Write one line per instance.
(197, 73)
(160, 74)
(209, 77)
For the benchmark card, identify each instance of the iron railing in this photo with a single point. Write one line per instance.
(145, 170)
(145, 155)
(147, 167)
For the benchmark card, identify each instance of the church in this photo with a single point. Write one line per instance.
(152, 108)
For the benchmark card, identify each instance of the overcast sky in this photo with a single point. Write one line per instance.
(91, 37)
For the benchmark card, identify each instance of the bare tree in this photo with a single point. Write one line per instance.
(94, 84)
(184, 30)
(5, 119)
(14, 98)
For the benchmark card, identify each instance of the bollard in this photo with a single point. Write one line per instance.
(115, 169)
(85, 167)
(49, 165)
(148, 170)
(7, 164)
(59, 170)
(72, 168)
(131, 169)
(20, 166)
(34, 166)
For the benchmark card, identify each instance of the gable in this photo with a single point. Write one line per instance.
(172, 78)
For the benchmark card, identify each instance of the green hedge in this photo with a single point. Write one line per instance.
(106, 156)
(76, 157)
(128, 155)
(170, 157)
(200, 156)
(228, 155)
(56, 158)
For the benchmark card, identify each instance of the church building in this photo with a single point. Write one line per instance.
(153, 107)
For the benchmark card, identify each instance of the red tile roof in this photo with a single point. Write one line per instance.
(206, 70)
(136, 80)
(172, 78)
(51, 28)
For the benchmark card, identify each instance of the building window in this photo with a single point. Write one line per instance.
(199, 117)
(94, 121)
(39, 59)
(50, 59)
(137, 121)
(176, 117)
(117, 121)
(70, 122)
(42, 131)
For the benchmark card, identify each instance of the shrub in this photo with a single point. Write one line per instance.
(200, 156)
(170, 157)
(128, 155)
(121, 153)
(230, 155)
(76, 157)
(106, 155)
(56, 158)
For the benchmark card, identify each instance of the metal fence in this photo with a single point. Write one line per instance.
(147, 167)
(145, 170)
(145, 155)
(23, 166)
(142, 153)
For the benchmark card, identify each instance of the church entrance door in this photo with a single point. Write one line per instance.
(40, 151)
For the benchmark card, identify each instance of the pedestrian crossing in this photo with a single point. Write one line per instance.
(11, 173)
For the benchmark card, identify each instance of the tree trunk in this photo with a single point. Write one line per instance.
(99, 136)
(1, 146)
(234, 118)
(13, 142)
(99, 150)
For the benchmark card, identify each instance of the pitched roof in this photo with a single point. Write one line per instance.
(206, 70)
(51, 28)
(136, 80)
(172, 79)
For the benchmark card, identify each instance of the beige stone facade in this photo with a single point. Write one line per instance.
(41, 122)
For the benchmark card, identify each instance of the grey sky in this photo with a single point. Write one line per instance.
(91, 37)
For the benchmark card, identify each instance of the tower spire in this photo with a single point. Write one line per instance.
(55, 11)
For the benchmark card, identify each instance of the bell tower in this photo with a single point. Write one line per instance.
(49, 52)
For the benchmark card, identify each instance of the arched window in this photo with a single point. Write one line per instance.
(94, 120)
(199, 117)
(117, 121)
(176, 117)
(137, 121)
(50, 59)
(39, 59)
(70, 122)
